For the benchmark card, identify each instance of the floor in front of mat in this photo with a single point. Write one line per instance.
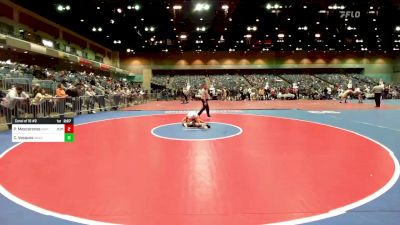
(332, 166)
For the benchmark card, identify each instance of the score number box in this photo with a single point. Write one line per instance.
(43, 130)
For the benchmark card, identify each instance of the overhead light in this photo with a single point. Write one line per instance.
(128, 50)
(149, 29)
(202, 7)
(82, 20)
(247, 36)
(281, 35)
(177, 7)
(112, 21)
(98, 7)
(63, 8)
(136, 7)
(183, 36)
(336, 7)
(303, 28)
(269, 6)
(119, 10)
(225, 7)
(202, 29)
(252, 28)
(99, 29)
(397, 28)
(317, 35)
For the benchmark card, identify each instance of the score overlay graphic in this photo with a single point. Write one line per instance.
(43, 130)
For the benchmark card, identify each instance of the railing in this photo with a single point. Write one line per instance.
(25, 83)
(60, 107)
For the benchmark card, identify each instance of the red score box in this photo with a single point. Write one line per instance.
(69, 128)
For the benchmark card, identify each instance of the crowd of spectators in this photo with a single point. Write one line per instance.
(282, 86)
(33, 90)
(181, 81)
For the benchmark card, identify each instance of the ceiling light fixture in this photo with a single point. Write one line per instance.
(62, 8)
(177, 7)
(202, 7)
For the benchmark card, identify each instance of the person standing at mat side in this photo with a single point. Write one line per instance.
(377, 90)
(205, 96)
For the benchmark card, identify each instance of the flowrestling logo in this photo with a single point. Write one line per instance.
(350, 14)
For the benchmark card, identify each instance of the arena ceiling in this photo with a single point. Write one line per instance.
(134, 26)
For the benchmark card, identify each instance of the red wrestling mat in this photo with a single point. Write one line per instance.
(278, 104)
(276, 170)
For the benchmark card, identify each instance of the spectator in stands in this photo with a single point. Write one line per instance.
(35, 90)
(185, 93)
(90, 99)
(75, 92)
(41, 103)
(61, 100)
(14, 100)
(100, 92)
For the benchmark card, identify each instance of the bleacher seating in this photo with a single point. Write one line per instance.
(230, 82)
(195, 81)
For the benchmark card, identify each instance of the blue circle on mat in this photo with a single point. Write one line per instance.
(176, 131)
